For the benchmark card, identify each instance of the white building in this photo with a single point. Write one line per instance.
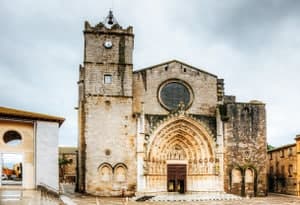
(29, 149)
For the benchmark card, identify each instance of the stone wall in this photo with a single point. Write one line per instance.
(122, 44)
(153, 121)
(121, 80)
(107, 162)
(110, 142)
(245, 148)
(147, 82)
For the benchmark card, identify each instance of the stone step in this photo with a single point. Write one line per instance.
(196, 197)
(33, 197)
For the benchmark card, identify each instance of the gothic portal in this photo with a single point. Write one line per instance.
(166, 128)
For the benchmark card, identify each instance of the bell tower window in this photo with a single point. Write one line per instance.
(107, 79)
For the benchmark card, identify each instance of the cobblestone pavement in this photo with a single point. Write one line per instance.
(270, 200)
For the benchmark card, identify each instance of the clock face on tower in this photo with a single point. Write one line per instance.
(108, 44)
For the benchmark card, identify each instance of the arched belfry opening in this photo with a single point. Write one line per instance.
(181, 157)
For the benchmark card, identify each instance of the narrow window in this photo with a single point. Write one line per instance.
(107, 79)
(282, 153)
(290, 170)
(271, 170)
(290, 151)
(236, 176)
(249, 176)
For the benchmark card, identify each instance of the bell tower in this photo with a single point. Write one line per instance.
(108, 58)
(105, 103)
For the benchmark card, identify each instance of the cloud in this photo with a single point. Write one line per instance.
(254, 45)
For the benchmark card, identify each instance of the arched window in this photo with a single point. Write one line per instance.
(12, 138)
(120, 172)
(236, 176)
(249, 176)
(105, 172)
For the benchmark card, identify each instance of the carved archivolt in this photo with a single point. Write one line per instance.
(181, 138)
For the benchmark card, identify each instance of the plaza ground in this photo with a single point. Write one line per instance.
(32, 197)
(270, 200)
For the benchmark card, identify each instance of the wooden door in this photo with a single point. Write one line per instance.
(176, 175)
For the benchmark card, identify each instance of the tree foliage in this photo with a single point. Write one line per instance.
(64, 161)
(269, 147)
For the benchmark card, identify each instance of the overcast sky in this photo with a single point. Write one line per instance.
(253, 44)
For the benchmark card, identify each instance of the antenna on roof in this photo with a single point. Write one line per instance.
(112, 5)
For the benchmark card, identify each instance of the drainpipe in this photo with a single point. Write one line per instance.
(77, 172)
(34, 154)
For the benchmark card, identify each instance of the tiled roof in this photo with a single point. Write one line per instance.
(282, 147)
(297, 137)
(14, 113)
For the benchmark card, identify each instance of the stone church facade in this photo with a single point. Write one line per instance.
(166, 128)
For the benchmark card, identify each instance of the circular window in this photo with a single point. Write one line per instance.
(12, 138)
(174, 93)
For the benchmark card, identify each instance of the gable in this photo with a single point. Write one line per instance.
(167, 65)
(200, 88)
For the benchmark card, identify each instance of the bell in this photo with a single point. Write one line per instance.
(110, 18)
(110, 22)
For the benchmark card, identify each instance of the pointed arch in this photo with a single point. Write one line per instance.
(120, 172)
(236, 175)
(120, 164)
(182, 143)
(105, 164)
(189, 133)
(251, 180)
(105, 171)
(248, 184)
